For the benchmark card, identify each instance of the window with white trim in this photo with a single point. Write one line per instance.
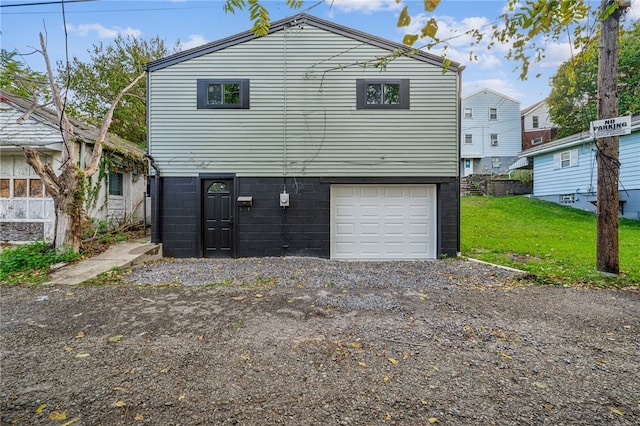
(468, 138)
(223, 93)
(468, 113)
(565, 159)
(536, 140)
(535, 122)
(494, 139)
(493, 113)
(495, 162)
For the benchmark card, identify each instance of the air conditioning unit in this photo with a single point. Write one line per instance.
(494, 143)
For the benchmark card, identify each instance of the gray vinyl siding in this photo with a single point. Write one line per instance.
(303, 119)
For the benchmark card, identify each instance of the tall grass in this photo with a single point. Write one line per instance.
(554, 242)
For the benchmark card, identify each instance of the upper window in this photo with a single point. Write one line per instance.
(565, 159)
(493, 113)
(468, 113)
(115, 183)
(468, 138)
(223, 94)
(382, 94)
(536, 123)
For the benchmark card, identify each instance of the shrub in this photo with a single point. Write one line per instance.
(29, 257)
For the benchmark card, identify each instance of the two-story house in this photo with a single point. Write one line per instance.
(490, 137)
(314, 140)
(537, 126)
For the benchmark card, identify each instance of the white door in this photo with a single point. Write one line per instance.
(468, 166)
(383, 222)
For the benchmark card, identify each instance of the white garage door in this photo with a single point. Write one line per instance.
(383, 222)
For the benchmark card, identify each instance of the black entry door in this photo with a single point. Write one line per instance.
(218, 218)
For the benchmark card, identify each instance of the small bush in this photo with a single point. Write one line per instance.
(28, 258)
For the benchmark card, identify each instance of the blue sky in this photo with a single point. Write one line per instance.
(195, 22)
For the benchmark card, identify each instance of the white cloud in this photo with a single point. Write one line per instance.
(497, 84)
(633, 13)
(365, 6)
(194, 40)
(555, 54)
(103, 32)
(457, 41)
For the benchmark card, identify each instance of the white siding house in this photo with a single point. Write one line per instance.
(537, 127)
(490, 137)
(315, 139)
(26, 211)
(565, 171)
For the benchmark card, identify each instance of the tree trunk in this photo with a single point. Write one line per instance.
(607, 247)
(70, 209)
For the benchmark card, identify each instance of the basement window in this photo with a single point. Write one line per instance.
(567, 198)
(223, 94)
(382, 93)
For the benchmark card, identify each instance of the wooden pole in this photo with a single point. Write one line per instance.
(607, 248)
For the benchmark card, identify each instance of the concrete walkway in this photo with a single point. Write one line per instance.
(121, 255)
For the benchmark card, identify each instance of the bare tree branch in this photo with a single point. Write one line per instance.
(104, 128)
(65, 126)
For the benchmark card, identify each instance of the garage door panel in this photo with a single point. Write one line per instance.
(383, 221)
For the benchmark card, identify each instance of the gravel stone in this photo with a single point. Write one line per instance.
(305, 341)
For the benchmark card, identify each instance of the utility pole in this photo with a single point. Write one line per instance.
(608, 156)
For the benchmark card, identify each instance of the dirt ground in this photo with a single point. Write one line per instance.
(206, 355)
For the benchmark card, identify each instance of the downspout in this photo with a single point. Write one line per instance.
(152, 163)
(156, 198)
(459, 136)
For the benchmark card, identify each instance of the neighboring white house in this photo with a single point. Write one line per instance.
(26, 212)
(305, 142)
(565, 171)
(537, 127)
(490, 136)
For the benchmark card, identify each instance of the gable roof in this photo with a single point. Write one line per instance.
(530, 108)
(571, 141)
(492, 92)
(82, 131)
(297, 20)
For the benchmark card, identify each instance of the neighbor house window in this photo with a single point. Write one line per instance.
(22, 188)
(493, 113)
(223, 94)
(536, 140)
(5, 188)
(382, 94)
(115, 183)
(565, 159)
(468, 138)
(468, 113)
(494, 139)
(536, 123)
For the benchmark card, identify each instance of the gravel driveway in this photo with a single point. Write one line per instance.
(311, 341)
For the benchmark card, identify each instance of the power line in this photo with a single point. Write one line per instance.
(41, 3)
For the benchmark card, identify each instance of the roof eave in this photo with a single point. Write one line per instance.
(299, 19)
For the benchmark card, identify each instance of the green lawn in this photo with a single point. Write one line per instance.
(556, 243)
